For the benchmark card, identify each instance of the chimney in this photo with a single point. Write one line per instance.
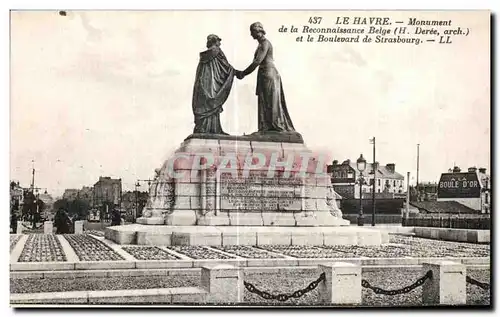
(391, 167)
(456, 169)
(482, 170)
(472, 169)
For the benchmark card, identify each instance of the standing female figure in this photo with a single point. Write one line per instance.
(273, 113)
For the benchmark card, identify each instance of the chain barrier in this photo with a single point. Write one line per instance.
(284, 297)
(473, 281)
(404, 290)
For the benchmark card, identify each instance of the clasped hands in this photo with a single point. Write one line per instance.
(239, 74)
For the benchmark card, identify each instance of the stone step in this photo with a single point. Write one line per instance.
(128, 296)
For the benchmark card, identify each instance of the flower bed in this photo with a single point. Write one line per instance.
(13, 240)
(381, 251)
(149, 253)
(249, 252)
(88, 248)
(199, 252)
(305, 251)
(42, 248)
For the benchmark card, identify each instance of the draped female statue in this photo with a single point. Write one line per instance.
(273, 113)
(213, 82)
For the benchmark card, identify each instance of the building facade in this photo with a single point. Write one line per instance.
(16, 196)
(70, 194)
(132, 204)
(471, 188)
(87, 194)
(48, 200)
(107, 195)
(388, 183)
(427, 191)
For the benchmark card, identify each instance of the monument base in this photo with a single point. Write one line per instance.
(243, 235)
(240, 181)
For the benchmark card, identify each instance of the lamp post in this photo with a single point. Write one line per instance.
(361, 165)
(136, 209)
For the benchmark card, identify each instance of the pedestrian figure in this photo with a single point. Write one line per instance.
(13, 221)
(116, 217)
(62, 222)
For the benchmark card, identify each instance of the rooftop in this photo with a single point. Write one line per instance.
(383, 171)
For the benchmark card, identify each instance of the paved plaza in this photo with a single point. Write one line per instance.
(47, 263)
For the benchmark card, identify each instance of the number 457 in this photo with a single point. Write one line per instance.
(315, 20)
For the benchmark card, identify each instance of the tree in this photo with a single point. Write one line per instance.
(32, 208)
(61, 204)
(77, 209)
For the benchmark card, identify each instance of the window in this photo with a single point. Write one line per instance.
(379, 190)
(379, 183)
(394, 183)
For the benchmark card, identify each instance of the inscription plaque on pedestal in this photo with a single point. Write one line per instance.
(258, 193)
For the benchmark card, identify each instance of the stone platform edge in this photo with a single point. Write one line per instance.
(453, 234)
(239, 262)
(155, 295)
(196, 271)
(244, 235)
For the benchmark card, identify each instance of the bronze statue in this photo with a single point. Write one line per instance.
(273, 114)
(214, 79)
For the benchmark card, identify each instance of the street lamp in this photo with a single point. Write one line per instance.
(361, 165)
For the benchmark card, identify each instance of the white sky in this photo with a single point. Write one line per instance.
(109, 93)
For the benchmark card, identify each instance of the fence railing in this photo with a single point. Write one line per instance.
(455, 222)
(379, 219)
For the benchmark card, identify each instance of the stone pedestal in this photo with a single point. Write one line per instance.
(48, 227)
(79, 226)
(20, 227)
(223, 282)
(242, 182)
(342, 284)
(447, 285)
(242, 190)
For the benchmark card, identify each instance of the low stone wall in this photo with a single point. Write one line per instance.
(450, 234)
(338, 283)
